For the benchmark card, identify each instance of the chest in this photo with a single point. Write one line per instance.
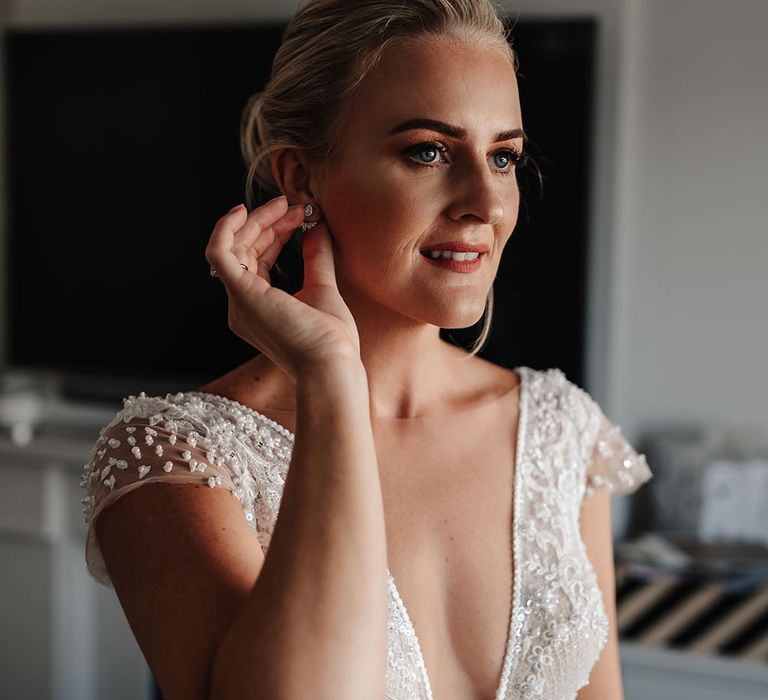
(450, 494)
(447, 491)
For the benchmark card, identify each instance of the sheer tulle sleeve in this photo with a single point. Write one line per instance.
(615, 464)
(149, 442)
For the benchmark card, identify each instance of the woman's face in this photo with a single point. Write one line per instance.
(398, 189)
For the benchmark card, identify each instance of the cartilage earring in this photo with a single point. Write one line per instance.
(306, 225)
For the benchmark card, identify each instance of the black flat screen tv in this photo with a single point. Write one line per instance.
(122, 150)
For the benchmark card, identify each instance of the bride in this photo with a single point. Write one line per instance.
(364, 510)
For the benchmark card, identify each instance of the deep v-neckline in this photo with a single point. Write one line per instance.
(506, 666)
(512, 629)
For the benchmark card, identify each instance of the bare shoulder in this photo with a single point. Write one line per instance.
(257, 383)
(490, 379)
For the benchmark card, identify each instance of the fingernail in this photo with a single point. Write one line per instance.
(274, 199)
(235, 208)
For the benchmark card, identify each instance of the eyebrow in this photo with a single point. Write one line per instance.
(456, 132)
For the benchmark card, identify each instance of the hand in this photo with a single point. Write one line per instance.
(312, 327)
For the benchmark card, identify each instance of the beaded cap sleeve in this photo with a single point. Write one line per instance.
(613, 463)
(190, 437)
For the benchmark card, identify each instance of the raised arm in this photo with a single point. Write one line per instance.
(214, 617)
(315, 623)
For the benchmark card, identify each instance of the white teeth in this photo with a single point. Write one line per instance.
(452, 255)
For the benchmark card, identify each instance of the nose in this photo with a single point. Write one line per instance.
(477, 195)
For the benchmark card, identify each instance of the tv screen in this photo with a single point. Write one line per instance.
(122, 151)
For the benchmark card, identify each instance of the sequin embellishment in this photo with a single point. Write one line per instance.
(558, 625)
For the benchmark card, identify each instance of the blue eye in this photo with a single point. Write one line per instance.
(516, 158)
(434, 148)
(510, 158)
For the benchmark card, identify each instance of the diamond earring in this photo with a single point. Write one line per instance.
(306, 225)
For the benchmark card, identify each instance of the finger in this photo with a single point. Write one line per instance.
(228, 264)
(318, 257)
(256, 243)
(283, 230)
(218, 252)
(261, 218)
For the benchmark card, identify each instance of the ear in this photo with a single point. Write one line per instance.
(292, 173)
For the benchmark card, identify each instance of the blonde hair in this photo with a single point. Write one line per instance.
(327, 50)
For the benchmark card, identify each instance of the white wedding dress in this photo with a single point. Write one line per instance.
(566, 449)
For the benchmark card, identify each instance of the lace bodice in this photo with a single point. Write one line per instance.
(566, 449)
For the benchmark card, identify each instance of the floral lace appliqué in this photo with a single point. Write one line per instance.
(568, 449)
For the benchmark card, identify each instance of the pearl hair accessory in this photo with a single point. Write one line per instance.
(304, 226)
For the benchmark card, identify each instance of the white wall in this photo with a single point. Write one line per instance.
(680, 222)
(693, 340)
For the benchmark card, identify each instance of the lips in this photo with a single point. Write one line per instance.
(456, 265)
(458, 247)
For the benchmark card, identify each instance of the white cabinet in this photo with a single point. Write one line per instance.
(665, 674)
(62, 635)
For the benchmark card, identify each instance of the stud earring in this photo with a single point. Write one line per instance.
(306, 225)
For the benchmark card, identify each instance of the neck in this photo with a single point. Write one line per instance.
(411, 370)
